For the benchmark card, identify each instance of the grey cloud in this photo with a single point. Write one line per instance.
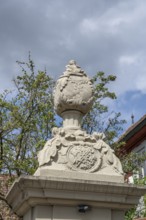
(54, 32)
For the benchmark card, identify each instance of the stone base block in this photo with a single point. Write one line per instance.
(72, 213)
(101, 176)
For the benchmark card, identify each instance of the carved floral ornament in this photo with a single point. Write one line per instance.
(71, 148)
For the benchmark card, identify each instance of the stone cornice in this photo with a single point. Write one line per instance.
(29, 191)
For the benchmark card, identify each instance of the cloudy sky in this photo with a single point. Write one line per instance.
(105, 35)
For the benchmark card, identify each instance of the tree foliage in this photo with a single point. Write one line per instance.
(26, 119)
(100, 118)
(132, 162)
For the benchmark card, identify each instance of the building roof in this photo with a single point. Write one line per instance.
(135, 134)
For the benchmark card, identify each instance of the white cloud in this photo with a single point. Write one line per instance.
(141, 83)
(128, 59)
(132, 73)
(101, 35)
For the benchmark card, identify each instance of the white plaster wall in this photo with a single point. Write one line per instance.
(141, 149)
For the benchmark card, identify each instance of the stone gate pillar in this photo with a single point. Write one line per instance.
(79, 177)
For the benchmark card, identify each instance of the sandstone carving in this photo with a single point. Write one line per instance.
(79, 151)
(71, 148)
(73, 90)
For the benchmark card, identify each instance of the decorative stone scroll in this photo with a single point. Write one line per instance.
(71, 148)
(78, 151)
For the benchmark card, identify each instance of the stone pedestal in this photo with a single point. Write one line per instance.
(79, 177)
(56, 198)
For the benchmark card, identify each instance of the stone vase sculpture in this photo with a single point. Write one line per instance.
(71, 148)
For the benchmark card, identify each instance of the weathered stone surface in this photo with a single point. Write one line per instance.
(45, 172)
(73, 91)
(71, 148)
(75, 150)
(30, 191)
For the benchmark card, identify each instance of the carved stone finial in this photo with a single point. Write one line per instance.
(71, 148)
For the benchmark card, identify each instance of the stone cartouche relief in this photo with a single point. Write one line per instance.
(79, 151)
